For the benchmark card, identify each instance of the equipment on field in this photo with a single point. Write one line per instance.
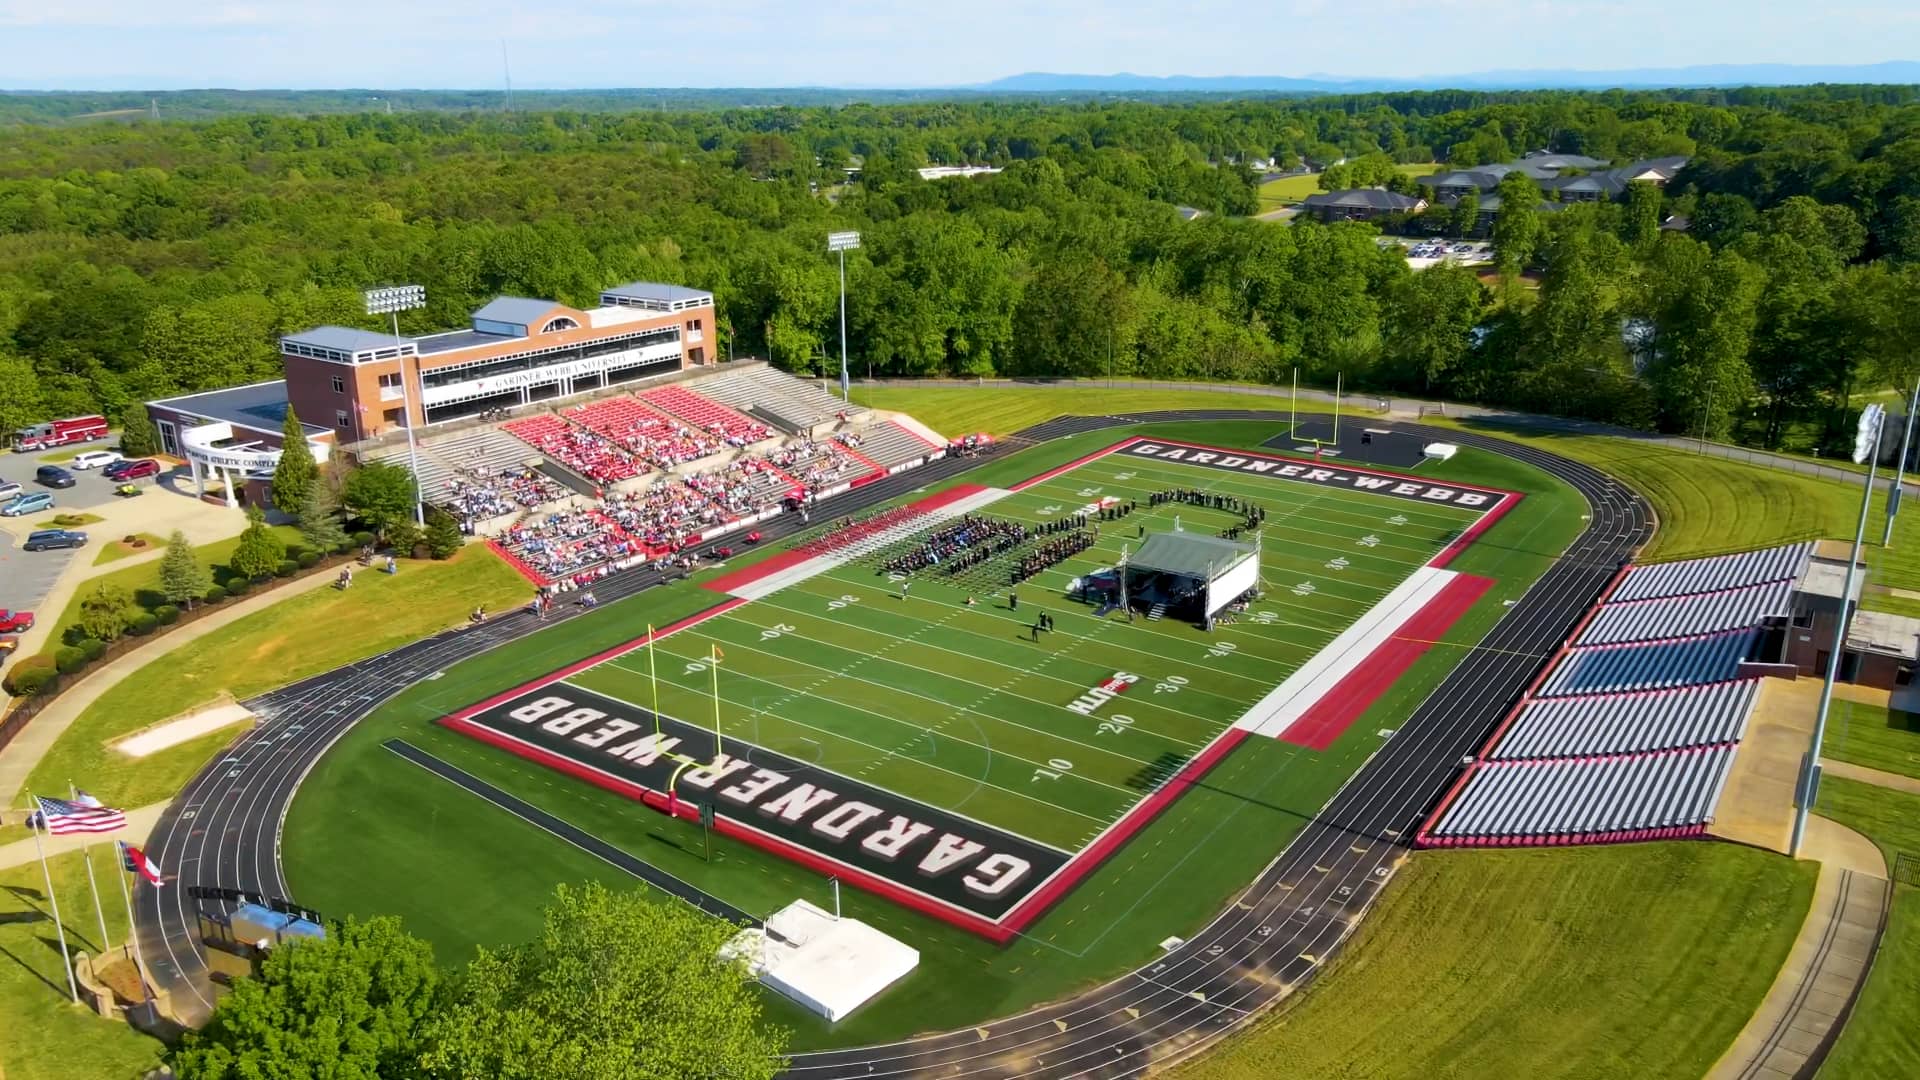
(827, 964)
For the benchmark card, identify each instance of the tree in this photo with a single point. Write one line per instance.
(1516, 225)
(105, 611)
(259, 552)
(1429, 324)
(137, 436)
(1701, 374)
(443, 533)
(541, 1009)
(296, 474)
(381, 494)
(1641, 221)
(320, 518)
(183, 577)
(21, 400)
(352, 1004)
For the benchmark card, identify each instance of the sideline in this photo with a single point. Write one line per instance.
(1793, 1027)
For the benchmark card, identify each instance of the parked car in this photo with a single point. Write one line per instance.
(54, 476)
(55, 538)
(132, 469)
(94, 459)
(8, 489)
(15, 622)
(31, 503)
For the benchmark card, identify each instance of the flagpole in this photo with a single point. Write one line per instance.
(73, 989)
(653, 676)
(133, 928)
(86, 855)
(713, 662)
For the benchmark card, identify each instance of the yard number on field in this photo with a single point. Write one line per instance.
(843, 601)
(1116, 724)
(1056, 767)
(1265, 618)
(1218, 649)
(1369, 540)
(776, 630)
(1170, 685)
(1337, 563)
(1305, 588)
(1397, 519)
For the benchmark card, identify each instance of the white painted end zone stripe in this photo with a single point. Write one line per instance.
(820, 564)
(1274, 714)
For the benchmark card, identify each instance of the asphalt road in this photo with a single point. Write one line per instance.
(26, 576)
(224, 829)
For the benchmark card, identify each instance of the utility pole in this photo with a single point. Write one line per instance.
(1900, 467)
(393, 301)
(842, 242)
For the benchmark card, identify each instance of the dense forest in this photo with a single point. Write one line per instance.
(141, 259)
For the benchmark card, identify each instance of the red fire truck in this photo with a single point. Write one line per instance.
(74, 429)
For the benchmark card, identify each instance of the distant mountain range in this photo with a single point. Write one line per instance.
(1892, 71)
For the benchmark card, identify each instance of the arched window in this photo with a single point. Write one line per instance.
(561, 323)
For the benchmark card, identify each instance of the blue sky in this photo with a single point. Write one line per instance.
(166, 44)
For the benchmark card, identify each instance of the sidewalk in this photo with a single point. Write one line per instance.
(1846, 770)
(139, 823)
(1809, 999)
(19, 757)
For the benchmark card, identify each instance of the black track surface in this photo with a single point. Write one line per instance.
(224, 829)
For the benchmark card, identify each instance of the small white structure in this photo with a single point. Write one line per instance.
(1440, 451)
(828, 965)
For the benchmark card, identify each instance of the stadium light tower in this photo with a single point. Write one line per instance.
(842, 242)
(1866, 447)
(392, 301)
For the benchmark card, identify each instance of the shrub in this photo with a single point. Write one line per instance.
(309, 559)
(362, 539)
(344, 547)
(239, 586)
(167, 614)
(91, 648)
(143, 623)
(215, 594)
(30, 676)
(69, 659)
(287, 568)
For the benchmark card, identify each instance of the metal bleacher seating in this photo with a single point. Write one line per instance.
(797, 402)
(889, 444)
(441, 458)
(1633, 732)
(705, 413)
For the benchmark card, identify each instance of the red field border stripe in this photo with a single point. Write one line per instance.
(786, 559)
(1465, 540)
(1421, 838)
(689, 811)
(1328, 718)
(1077, 462)
(1119, 833)
(599, 657)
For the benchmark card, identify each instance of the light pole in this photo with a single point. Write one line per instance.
(392, 301)
(1900, 467)
(1866, 447)
(842, 242)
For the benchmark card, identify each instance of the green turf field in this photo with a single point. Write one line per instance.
(369, 833)
(916, 692)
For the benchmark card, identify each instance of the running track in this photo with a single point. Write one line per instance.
(224, 828)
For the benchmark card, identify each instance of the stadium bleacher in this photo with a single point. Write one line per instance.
(1666, 794)
(708, 415)
(1592, 724)
(1650, 665)
(646, 434)
(800, 402)
(1692, 613)
(889, 444)
(588, 453)
(1712, 574)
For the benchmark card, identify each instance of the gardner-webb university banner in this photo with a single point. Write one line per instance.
(939, 855)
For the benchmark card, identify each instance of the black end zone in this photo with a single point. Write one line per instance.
(1363, 441)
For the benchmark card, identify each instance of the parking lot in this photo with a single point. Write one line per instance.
(1422, 253)
(25, 576)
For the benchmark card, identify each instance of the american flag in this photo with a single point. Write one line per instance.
(61, 817)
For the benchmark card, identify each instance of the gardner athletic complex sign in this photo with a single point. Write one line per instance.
(941, 856)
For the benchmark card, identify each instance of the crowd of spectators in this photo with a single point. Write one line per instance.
(570, 541)
(818, 465)
(476, 494)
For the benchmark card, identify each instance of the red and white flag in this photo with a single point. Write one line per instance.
(136, 860)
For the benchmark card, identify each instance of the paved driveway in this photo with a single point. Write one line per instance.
(92, 489)
(25, 576)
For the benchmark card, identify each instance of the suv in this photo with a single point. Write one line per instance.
(55, 538)
(132, 469)
(93, 459)
(30, 503)
(54, 476)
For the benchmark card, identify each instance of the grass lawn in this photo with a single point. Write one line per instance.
(143, 581)
(1874, 736)
(1292, 189)
(1001, 410)
(300, 636)
(1882, 1037)
(369, 832)
(1640, 960)
(46, 1037)
(115, 550)
(70, 521)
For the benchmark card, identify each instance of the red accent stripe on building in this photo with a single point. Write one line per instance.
(777, 563)
(1328, 718)
(1120, 832)
(599, 657)
(1074, 464)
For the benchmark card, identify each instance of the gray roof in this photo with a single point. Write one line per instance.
(654, 290)
(344, 338)
(1545, 160)
(515, 310)
(262, 406)
(1189, 554)
(1370, 198)
(458, 339)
